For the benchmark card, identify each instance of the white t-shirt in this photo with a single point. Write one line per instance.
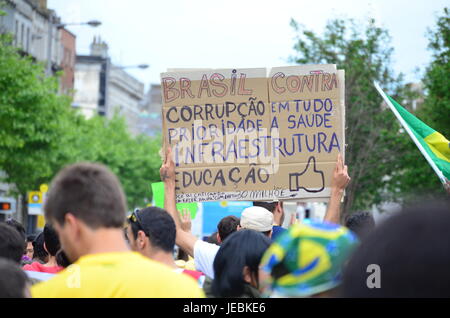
(204, 254)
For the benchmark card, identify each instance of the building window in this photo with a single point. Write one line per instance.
(17, 33)
(28, 39)
(22, 34)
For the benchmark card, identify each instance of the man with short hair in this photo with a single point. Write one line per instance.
(361, 223)
(227, 226)
(18, 226)
(152, 232)
(12, 244)
(86, 205)
(14, 283)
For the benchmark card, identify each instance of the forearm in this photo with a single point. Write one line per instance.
(333, 214)
(170, 204)
(183, 239)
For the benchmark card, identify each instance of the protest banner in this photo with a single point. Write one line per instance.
(238, 134)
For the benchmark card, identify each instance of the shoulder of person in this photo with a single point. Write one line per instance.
(205, 247)
(50, 288)
(207, 287)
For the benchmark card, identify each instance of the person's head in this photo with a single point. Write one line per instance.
(14, 282)
(408, 255)
(213, 238)
(182, 255)
(29, 252)
(19, 227)
(39, 252)
(237, 263)
(226, 227)
(12, 244)
(307, 260)
(257, 218)
(276, 207)
(51, 240)
(84, 198)
(62, 259)
(361, 223)
(150, 231)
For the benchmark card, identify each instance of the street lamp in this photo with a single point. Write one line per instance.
(92, 23)
(58, 26)
(141, 66)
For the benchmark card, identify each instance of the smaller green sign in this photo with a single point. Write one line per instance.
(158, 200)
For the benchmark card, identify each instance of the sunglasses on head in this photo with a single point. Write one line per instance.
(134, 218)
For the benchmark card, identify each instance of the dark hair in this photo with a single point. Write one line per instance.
(13, 280)
(62, 259)
(31, 238)
(213, 239)
(38, 246)
(182, 255)
(12, 244)
(158, 225)
(91, 192)
(411, 250)
(227, 226)
(266, 205)
(242, 248)
(51, 240)
(361, 223)
(19, 227)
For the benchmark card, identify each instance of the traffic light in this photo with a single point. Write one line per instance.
(6, 206)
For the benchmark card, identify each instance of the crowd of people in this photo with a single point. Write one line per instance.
(90, 248)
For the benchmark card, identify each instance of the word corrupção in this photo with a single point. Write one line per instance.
(186, 113)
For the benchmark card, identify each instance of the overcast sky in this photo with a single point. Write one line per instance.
(237, 33)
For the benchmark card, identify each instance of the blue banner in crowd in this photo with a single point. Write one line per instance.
(213, 212)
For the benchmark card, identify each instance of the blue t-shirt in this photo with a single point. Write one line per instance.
(277, 230)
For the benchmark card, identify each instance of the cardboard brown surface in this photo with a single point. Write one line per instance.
(213, 86)
(236, 135)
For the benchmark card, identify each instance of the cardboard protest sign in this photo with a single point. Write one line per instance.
(238, 134)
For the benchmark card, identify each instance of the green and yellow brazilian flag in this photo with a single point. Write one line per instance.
(435, 145)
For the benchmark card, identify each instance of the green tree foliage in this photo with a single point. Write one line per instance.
(364, 53)
(437, 77)
(416, 176)
(40, 133)
(30, 113)
(135, 160)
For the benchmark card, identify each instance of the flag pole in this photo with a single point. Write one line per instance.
(411, 134)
